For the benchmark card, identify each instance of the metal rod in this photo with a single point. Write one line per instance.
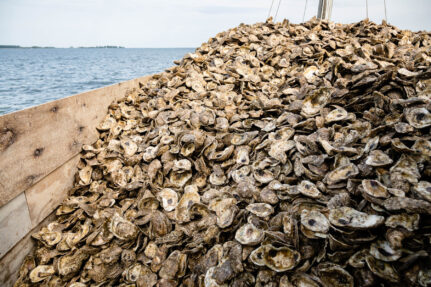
(276, 12)
(305, 9)
(325, 9)
(270, 8)
(366, 4)
(386, 16)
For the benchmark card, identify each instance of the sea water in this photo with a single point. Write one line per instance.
(29, 77)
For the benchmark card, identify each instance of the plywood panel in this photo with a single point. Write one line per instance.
(15, 223)
(47, 194)
(36, 141)
(11, 262)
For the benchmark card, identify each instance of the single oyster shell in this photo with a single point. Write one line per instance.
(423, 146)
(301, 279)
(423, 189)
(225, 210)
(357, 260)
(407, 204)
(180, 179)
(313, 103)
(382, 269)
(217, 177)
(122, 228)
(150, 153)
(140, 274)
(168, 198)
(41, 273)
(418, 117)
(260, 209)
(248, 234)
(334, 275)
(351, 218)
(263, 176)
(309, 189)
(189, 197)
(209, 280)
(182, 165)
(342, 173)
(242, 155)
(338, 114)
(315, 221)
(129, 147)
(85, 175)
(407, 221)
(403, 128)
(382, 250)
(424, 277)
(278, 259)
(279, 148)
(378, 158)
(375, 188)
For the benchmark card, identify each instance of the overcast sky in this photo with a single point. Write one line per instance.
(173, 23)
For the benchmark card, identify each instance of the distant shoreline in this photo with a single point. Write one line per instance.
(40, 47)
(96, 47)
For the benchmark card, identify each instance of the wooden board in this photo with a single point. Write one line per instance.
(47, 194)
(15, 223)
(36, 141)
(11, 262)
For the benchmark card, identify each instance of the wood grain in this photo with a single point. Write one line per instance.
(36, 141)
(11, 262)
(47, 194)
(15, 223)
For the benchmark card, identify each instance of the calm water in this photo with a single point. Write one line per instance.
(30, 77)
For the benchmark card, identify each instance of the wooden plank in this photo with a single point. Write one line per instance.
(47, 194)
(15, 223)
(36, 141)
(11, 262)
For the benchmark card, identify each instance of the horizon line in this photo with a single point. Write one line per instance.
(6, 46)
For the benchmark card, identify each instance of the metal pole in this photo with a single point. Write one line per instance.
(386, 16)
(325, 9)
(366, 4)
(270, 8)
(305, 9)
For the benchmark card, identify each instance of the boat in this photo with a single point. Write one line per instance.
(39, 153)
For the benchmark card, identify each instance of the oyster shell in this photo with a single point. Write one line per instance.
(418, 117)
(168, 198)
(315, 221)
(122, 228)
(260, 209)
(423, 189)
(41, 273)
(407, 221)
(374, 188)
(278, 259)
(342, 173)
(351, 218)
(248, 234)
(382, 250)
(378, 158)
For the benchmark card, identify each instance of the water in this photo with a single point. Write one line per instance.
(30, 77)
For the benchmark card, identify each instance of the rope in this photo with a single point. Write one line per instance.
(276, 13)
(305, 9)
(386, 17)
(270, 8)
(366, 3)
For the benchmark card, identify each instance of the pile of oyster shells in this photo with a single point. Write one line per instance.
(274, 155)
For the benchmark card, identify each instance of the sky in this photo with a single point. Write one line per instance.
(174, 23)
